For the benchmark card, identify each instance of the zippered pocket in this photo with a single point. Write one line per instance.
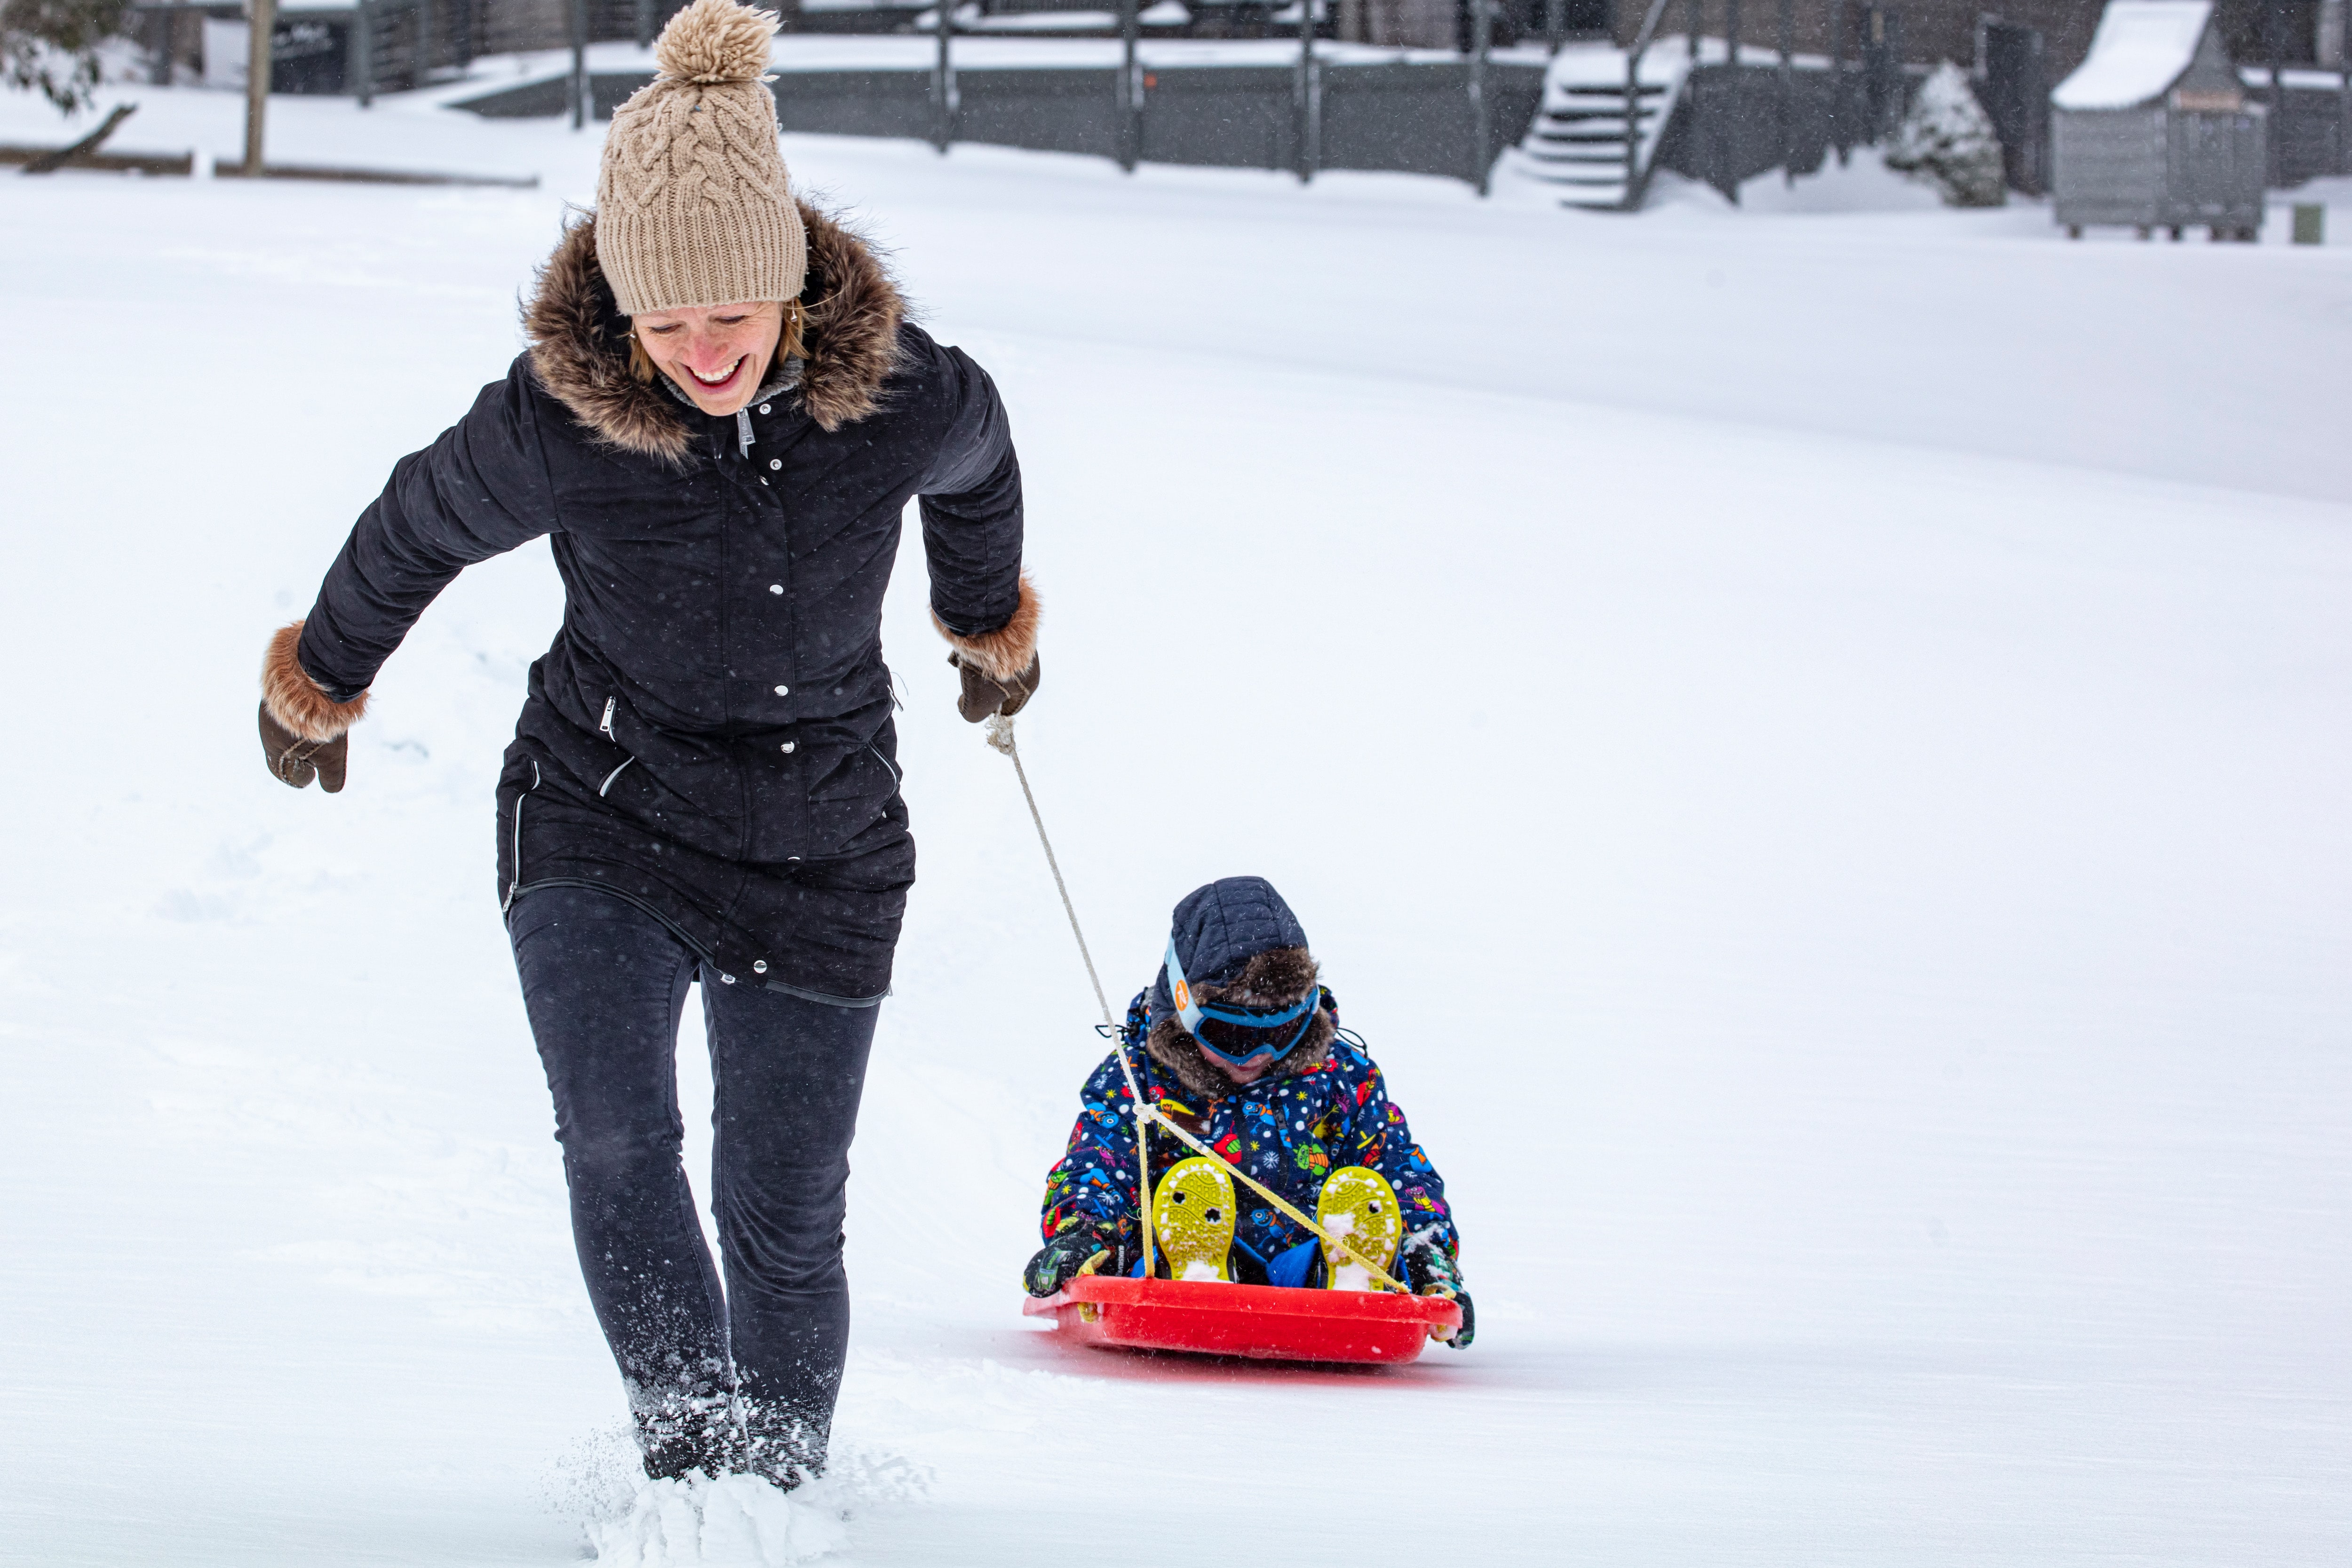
(897, 777)
(514, 880)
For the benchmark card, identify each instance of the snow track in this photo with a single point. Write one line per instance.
(1814, 754)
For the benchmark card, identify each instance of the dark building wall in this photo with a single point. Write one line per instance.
(2065, 26)
(2258, 31)
(1930, 30)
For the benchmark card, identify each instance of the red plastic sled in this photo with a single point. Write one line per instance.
(1263, 1321)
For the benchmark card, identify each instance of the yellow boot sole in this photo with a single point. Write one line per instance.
(1193, 1214)
(1358, 1207)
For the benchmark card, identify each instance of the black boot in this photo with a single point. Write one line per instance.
(684, 1432)
(781, 1447)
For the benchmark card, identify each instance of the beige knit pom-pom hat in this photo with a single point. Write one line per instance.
(693, 205)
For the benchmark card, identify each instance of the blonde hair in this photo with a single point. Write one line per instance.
(788, 347)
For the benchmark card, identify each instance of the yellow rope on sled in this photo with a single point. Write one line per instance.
(1380, 1275)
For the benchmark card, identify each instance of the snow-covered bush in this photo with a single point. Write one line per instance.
(1948, 142)
(50, 46)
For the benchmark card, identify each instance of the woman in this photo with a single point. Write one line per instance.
(719, 420)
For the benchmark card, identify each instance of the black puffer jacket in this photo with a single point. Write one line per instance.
(709, 734)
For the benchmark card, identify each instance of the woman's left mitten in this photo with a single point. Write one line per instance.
(297, 762)
(297, 712)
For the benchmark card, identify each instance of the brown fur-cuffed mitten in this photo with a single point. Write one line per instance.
(1000, 668)
(984, 696)
(305, 733)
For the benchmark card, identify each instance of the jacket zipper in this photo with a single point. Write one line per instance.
(605, 724)
(514, 884)
(895, 777)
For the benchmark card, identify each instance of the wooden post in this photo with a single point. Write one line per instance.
(943, 81)
(1787, 85)
(2275, 43)
(1482, 33)
(1307, 93)
(1726, 125)
(159, 46)
(578, 64)
(1632, 122)
(1131, 87)
(1837, 88)
(264, 13)
(363, 51)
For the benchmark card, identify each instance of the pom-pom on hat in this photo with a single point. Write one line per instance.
(693, 204)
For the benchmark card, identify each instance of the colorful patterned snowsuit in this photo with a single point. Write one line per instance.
(1287, 1130)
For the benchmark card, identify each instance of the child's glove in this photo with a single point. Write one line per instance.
(1433, 1272)
(1066, 1257)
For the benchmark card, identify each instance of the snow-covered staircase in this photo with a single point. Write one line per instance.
(1578, 141)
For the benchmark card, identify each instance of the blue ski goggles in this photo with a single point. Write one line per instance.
(1240, 1037)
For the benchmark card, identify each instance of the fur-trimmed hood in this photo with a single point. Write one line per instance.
(1276, 978)
(579, 341)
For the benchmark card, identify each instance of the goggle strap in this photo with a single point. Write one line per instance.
(1187, 1011)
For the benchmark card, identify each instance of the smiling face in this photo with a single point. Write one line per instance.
(717, 355)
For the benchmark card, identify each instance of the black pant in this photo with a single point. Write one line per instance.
(606, 984)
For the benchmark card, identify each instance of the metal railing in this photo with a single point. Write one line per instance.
(1642, 40)
(1732, 119)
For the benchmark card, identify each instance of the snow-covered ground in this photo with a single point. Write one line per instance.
(1812, 744)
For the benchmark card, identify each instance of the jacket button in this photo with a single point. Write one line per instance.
(764, 408)
(790, 746)
(776, 463)
(775, 587)
(758, 966)
(784, 691)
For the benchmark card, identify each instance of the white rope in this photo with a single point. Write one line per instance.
(1000, 736)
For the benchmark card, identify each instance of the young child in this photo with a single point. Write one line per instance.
(1237, 1043)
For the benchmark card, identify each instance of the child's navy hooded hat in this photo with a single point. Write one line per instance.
(1218, 929)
